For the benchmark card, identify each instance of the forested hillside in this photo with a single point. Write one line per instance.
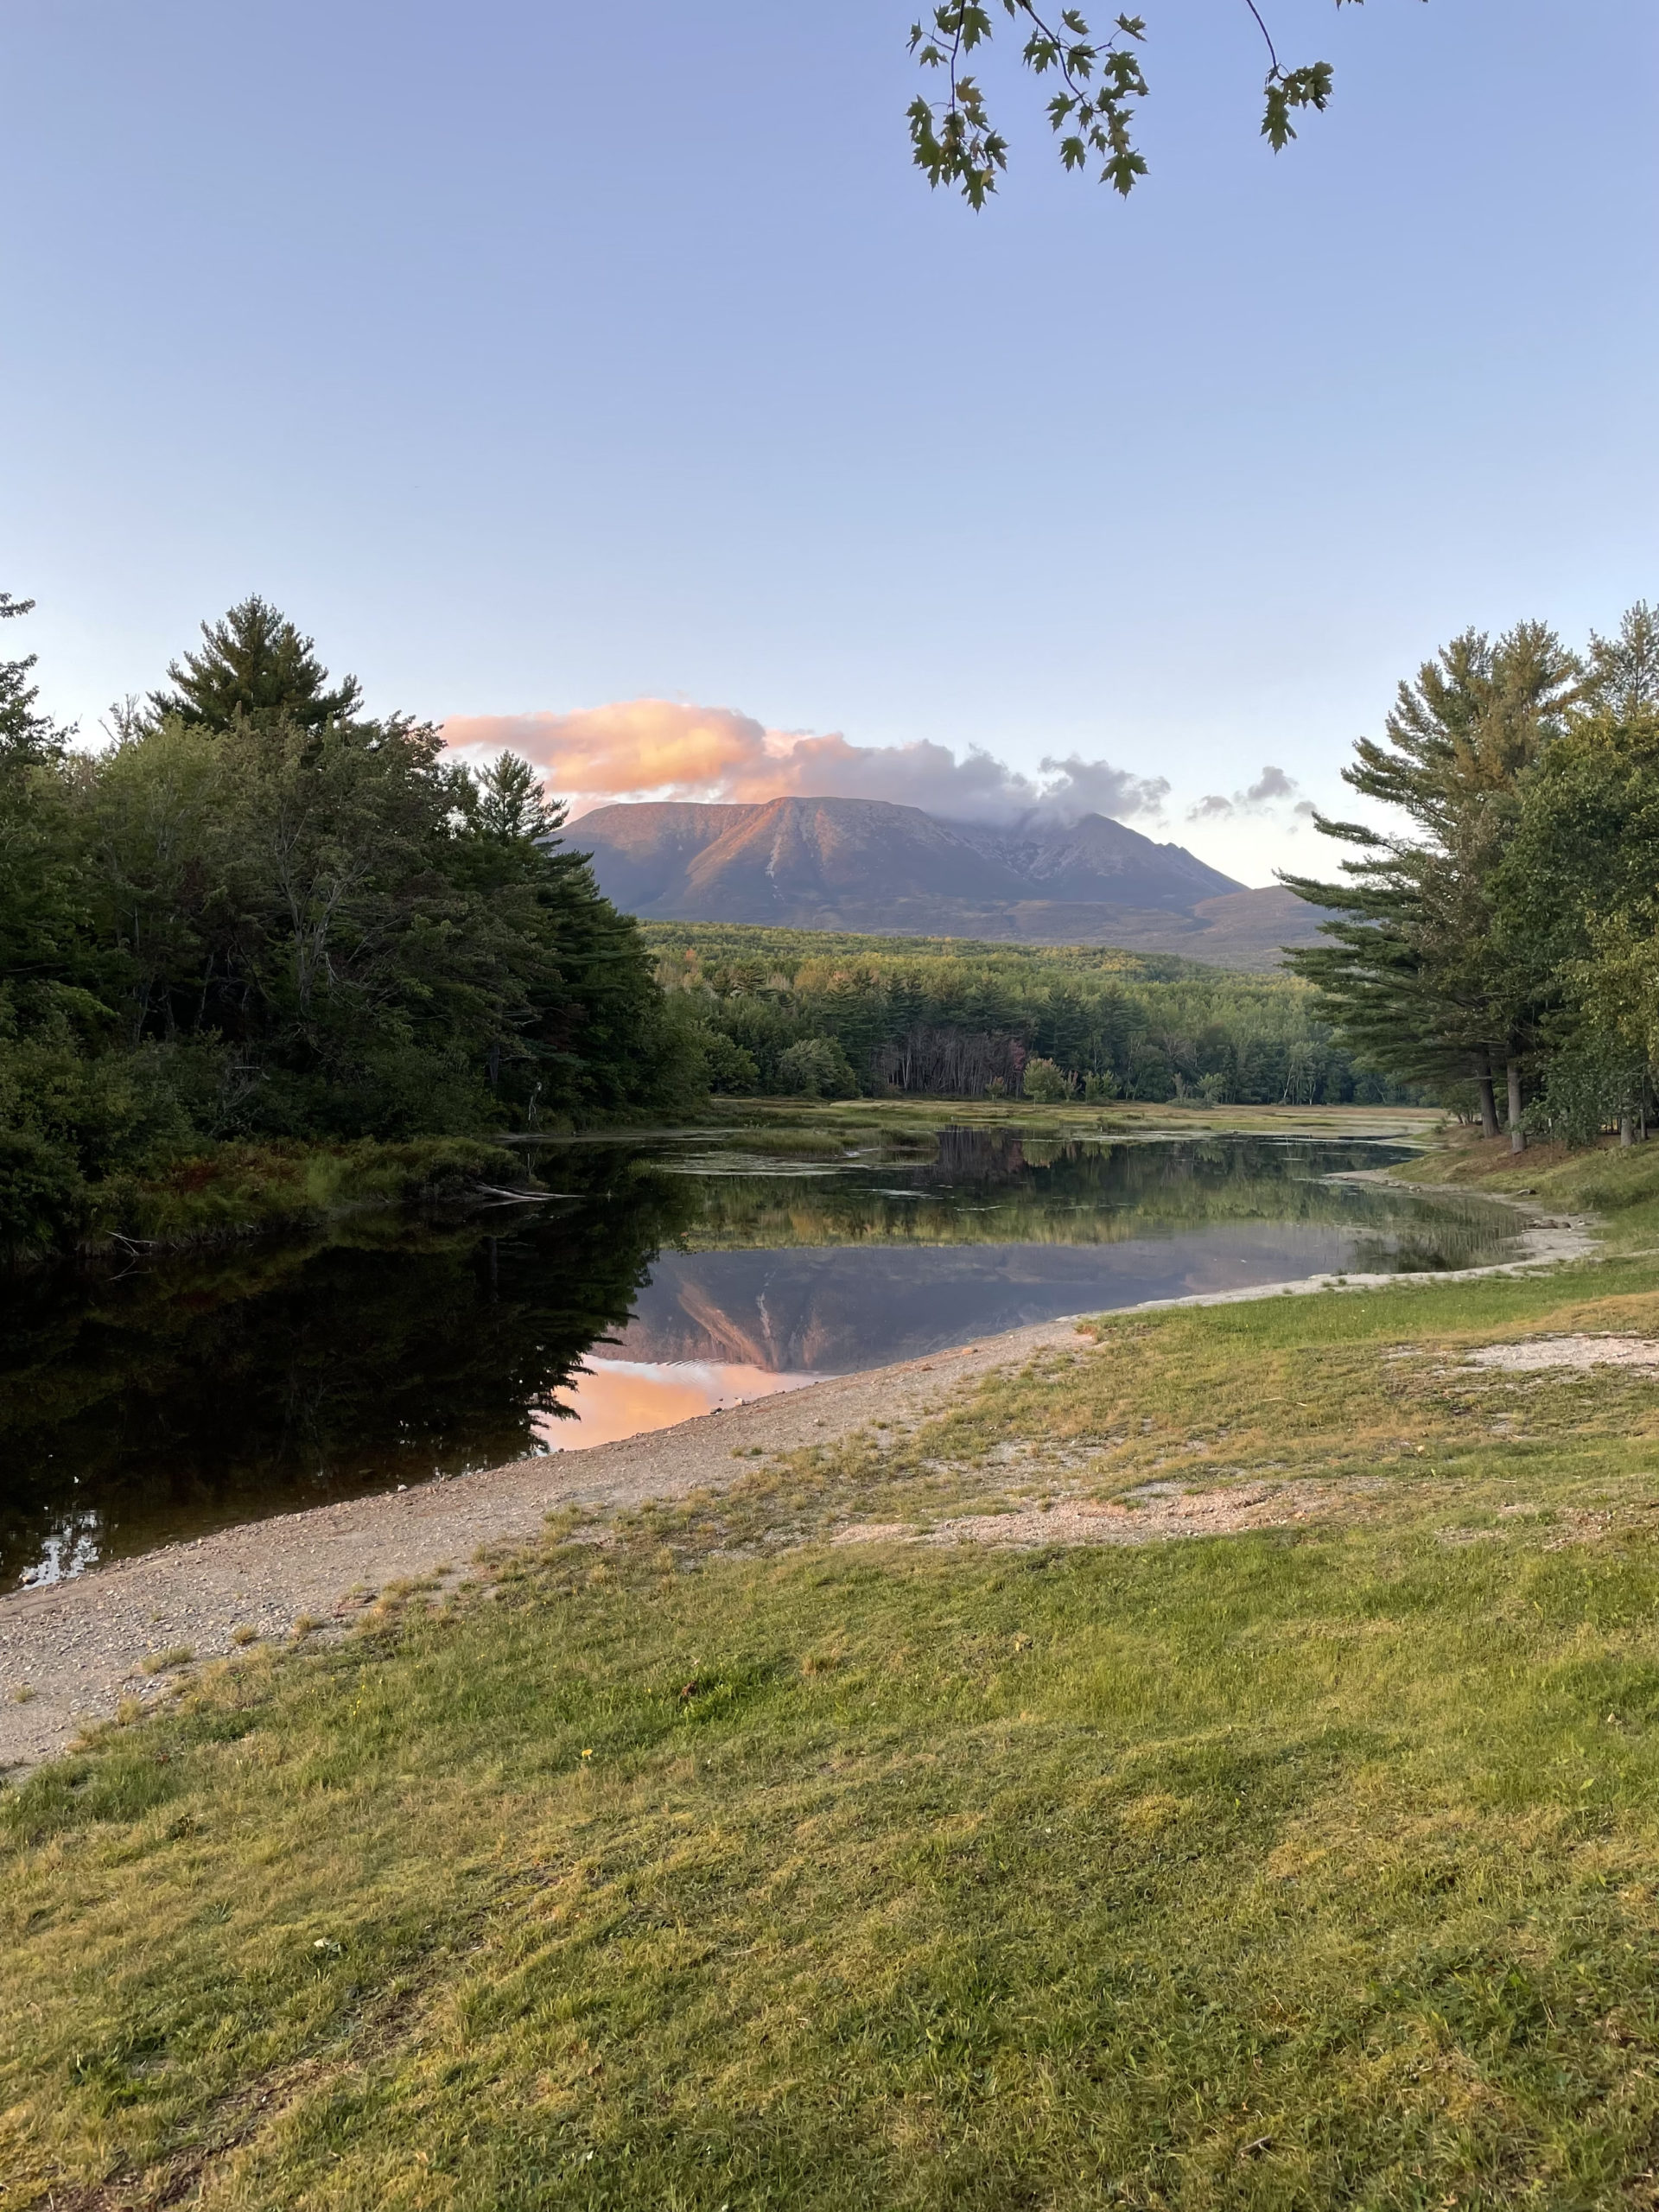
(260, 914)
(790, 1011)
(1507, 934)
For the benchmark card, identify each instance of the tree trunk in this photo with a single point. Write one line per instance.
(1518, 1135)
(1488, 1105)
(1626, 1132)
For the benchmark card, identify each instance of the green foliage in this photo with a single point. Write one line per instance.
(954, 1018)
(1515, 923)
(254, 662)
(1413, 972)
(816, 1068)
(1099, 81)
(43, 1199)
(260, 915)
(1047, 1083)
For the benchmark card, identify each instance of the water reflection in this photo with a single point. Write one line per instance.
(141, 1405)
(609, 1398)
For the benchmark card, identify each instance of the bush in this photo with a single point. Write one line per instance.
(1045, 1084)
(730, 1067)
(1584, 1091)
(816, 1068)
(42, 1195)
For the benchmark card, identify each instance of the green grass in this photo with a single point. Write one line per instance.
(1618, 1183)
(713, 1866)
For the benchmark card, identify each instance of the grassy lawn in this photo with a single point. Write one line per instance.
(717, 1866)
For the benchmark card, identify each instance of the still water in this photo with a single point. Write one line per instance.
(174, 1395)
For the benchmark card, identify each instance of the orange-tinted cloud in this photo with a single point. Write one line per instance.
(663, 748)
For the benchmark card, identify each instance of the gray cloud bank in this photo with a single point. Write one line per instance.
(667, 749)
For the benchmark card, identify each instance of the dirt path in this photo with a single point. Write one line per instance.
(77, 1648)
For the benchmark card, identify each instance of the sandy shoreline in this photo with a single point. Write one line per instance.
(79, 1646)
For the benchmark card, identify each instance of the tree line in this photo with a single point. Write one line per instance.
(1502, 934)
(260, 912)
(796, 1011)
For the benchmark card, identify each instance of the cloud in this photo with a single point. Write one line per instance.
(1256, 798)
(665, 749)
(1081, 787)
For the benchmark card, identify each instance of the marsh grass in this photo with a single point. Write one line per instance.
(709, 1865)
(897, 1121)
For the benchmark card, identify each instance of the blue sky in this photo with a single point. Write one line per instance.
(542, 357)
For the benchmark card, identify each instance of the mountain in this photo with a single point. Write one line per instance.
(866, 865)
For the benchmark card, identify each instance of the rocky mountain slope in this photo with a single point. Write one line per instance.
(868, 865)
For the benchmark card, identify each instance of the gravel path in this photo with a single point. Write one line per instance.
(76, 1648)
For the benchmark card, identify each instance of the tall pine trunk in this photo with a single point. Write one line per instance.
(1518, 1135)
(1488, 1102)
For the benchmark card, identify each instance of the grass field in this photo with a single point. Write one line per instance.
(715, 1865)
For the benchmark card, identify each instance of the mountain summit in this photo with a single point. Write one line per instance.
(866, 865)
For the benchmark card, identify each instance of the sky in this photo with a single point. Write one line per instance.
(604, 381)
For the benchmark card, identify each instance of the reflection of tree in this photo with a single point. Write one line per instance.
(992, 1187)
(209, 1389)
(986, 1156)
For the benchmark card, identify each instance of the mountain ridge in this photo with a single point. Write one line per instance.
(879, 868)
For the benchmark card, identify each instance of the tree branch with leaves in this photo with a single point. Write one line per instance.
(1098, 83)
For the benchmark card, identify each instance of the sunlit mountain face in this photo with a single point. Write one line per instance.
(869, 865)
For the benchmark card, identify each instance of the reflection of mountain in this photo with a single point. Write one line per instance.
(832, 1312)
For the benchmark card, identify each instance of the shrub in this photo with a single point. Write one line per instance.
(1045, 1084)
(731, 1067)
(42, 1195)
(816, 1068)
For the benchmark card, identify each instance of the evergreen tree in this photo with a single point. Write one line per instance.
(38, 873)
(254, 664)
(257, 914)
(27, 737)
(1413, 974)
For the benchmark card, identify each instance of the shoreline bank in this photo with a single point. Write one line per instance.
(78, 1648)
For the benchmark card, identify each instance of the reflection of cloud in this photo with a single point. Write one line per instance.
(1271, 783)
(619, 1397)
(663, 748)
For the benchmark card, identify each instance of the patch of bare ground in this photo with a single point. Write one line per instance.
(1156, 1512)
(1578, 1352)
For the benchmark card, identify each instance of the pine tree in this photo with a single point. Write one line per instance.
(1412, 974)
(27, 738)
(256, 665)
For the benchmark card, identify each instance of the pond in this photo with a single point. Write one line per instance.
(655, 1280)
